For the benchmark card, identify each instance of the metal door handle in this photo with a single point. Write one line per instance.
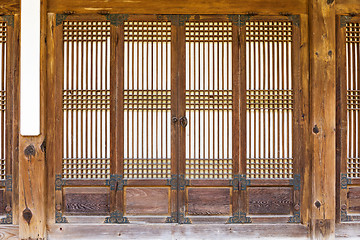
(183, 121)
(174, 119)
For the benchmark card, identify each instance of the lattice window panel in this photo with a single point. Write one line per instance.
(353, 98)
(269, 99)
(147, 99)
(209, 99)
(3, 66)
(86, 100)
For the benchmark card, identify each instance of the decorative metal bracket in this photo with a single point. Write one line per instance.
(175, 19)
(117, 19)
(9, 19)
(296, 182)
(59, 218)
(61, 17)
(239, 182)
(239, 20)
(295, 20)
(8, 219)
(344, 20)
(296, 218)
(7, 183)
(345, 217)
(59, 182)
(239, 217)
(178, 218)
(116, 217)
(177, 181)
(116, 182)
(344, 181)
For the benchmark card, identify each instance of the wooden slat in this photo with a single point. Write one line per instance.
(323, 100)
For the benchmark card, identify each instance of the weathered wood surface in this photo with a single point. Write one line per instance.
(94, 200)
(32, 188)
(208, 201)
(9, 232)
(270, 200)
(150, 200)
(9, 6)
(178, 7)
(347, 231)
(323, 113)
(347, 6)
(173, 231)
(354, 199)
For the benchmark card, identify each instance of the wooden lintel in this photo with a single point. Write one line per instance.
(323, 113)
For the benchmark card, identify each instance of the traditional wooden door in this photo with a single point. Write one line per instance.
(348, 79)
(163, 118)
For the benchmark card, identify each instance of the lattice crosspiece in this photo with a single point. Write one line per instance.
(353, 98)
(209, 99)
(147, 99)
(269, 99)
(86, 100)
(3, 98)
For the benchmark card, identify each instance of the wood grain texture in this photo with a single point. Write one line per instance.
(270, 200)
(323, 115)
(9, 232)
(94, 200)
(178, 7)
(347, 6)
(2, 201)
(152, 200)
(208, 201)
(176, 231)
(9, 6)
(353, 196)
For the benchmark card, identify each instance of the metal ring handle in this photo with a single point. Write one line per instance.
(183, 121)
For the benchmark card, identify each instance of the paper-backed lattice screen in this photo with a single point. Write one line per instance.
(86, 100)
(353, 98)
(147, 99)
(209, 99)
(269, 99)
(3, 35)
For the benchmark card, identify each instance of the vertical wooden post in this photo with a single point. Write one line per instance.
(323, 114)
(32, 164)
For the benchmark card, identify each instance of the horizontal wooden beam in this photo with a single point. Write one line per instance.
(170, 231)
(269, 7)
(9, 7)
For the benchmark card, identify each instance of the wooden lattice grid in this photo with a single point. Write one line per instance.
(3, 98)
(353, 98)
(209, 99)
(86, 100)
(269, 97)
(147, 99)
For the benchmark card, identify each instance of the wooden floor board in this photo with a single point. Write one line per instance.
(174, 231)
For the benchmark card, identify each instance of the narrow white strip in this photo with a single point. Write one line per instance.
(30, 68)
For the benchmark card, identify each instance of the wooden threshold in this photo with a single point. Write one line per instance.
(347, 230)
(176, 231)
